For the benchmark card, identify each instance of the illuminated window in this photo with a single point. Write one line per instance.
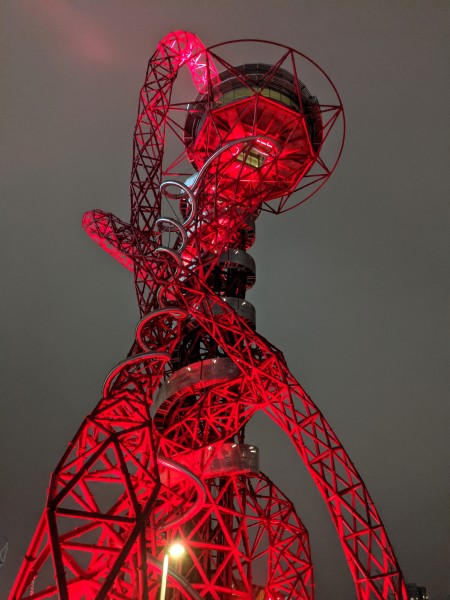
(256, 155)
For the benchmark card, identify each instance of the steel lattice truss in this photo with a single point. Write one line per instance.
(162, 456)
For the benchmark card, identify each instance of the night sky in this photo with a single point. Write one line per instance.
(351, 286)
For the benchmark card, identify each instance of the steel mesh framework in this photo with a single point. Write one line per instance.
(163, 455)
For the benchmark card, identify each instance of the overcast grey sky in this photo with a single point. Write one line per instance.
(352, 286)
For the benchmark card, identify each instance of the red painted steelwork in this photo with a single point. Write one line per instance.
(154, 461)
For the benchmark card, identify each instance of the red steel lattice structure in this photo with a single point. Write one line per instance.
(162, 457)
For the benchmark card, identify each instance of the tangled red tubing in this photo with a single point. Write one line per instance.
(163, 455)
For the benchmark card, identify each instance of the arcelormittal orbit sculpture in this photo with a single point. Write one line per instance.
(162, 457)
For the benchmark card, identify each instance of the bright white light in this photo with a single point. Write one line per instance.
(176, 550)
